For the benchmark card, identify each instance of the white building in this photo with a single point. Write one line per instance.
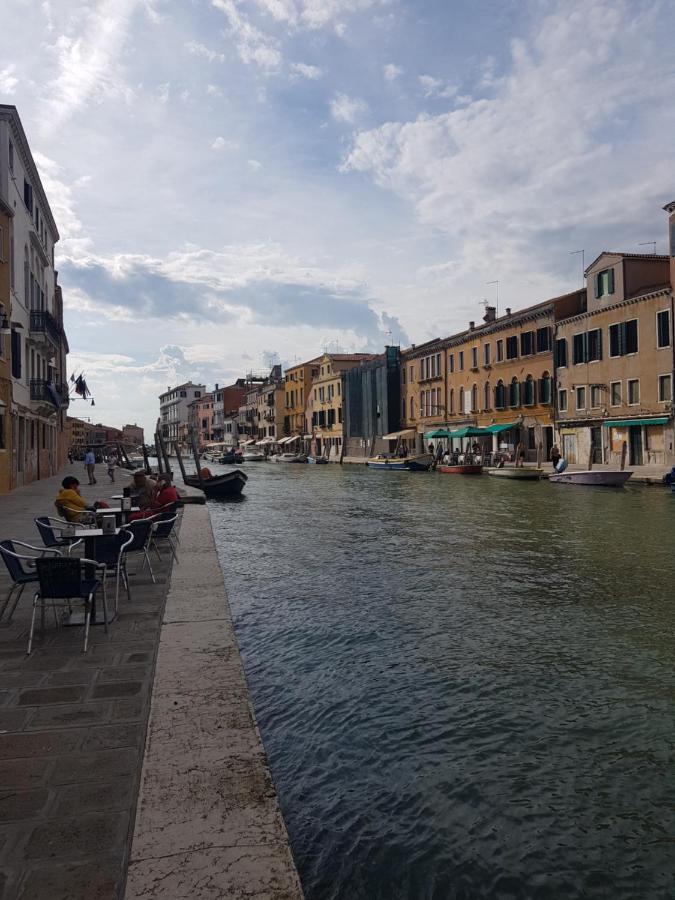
(174, 413)
(34, 307)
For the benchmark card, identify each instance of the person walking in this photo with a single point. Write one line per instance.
(112, 463)
(90, 465)
(70, 455)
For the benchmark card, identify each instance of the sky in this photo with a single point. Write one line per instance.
(240, 182)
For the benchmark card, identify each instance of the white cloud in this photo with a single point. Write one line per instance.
(221, 144)
(254, 165)
(8, 81)
(314, 14)
(434, 87)
(252, 45)
(302, 70)
(163, 92)
(62, 204)
(347, 109)
(213, 90)
(391, 72)
(197, 49)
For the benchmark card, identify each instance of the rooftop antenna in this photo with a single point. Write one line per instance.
(583, 262)
(649, 244)
(496, 284)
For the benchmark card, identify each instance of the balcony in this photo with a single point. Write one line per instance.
(44, 326)
(46, 396)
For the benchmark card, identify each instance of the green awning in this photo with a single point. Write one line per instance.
(438, 433)
(626, 423)
(495, 429)
(468, 431)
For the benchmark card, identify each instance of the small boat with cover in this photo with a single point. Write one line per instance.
(400, 459)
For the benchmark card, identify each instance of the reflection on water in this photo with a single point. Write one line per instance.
(464, 685)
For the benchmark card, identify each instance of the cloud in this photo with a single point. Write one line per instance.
(434, 87)
(391, 72)
(313, 14)
(221, 144)
(347, 109)
(253, 46)
(8, 81)
(62, 203)
(301, 70)
(254, 165)
(197, 49)
(213, 90)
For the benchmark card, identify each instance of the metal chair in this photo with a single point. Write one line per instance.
(49, 529)
(66, 579)
(110, 551)
(21, 568)
(162, 530)
(141, 529)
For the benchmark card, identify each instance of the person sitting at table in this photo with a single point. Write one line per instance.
(164, 499)
(143, 490)
(71, 504)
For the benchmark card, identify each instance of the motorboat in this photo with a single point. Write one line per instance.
(289, 458)
(418, 463)
(460, 469)
(317, 460)
(217, 487)
(596, 477)
(520, 473)
(253, 455)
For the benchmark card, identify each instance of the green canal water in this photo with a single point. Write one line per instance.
(464, 685)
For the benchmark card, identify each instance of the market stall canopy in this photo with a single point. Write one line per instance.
(626, 423)
(395, 435)
(469, 431)
(438, 433)
(504, 426)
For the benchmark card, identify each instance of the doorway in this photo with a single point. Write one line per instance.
(547, 434)
(635, 445)
(596, 441)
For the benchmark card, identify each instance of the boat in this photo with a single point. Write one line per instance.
(216, 487)
(523, 473)
(290, 458)
(597, 477)
(317, 460)
(253, 455)
(460, 469)
(419, 463)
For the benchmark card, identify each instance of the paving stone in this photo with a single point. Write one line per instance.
(139, 657)
(83, 676)
(22, 679)
(123, 673)
(133, 709)
(45, 695)
(109, 737)
(22, 804)
(97, 879)
(100, 766)
(70, 714)
(74, 838)
(74, 799)
(23, 773)
(13, 719)
(42, 743)
(117, 689)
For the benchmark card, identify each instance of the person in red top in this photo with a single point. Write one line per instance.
(165, 496)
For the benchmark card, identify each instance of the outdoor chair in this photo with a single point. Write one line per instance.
(21, 568)
(141, 529)
(110, 551)
(64, 579)
(51, 532)
(162, 533)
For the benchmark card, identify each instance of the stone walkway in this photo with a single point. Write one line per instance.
(72, 728)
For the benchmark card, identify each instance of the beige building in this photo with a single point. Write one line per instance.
(614, 365)
(326, 402)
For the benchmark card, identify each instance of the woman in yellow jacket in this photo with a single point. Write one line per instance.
(71, 504)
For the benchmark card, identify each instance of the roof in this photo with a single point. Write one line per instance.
(623, 255)
(179, 387)
(670, 207)
(349, 357)
(10, 114)
(309, 362)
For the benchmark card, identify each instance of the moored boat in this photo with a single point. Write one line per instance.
(525, 473)
(290, 458)
(460, 469)
(419, 463)
(253, 456)
(317, 460)
(597, 477)
(230, 484)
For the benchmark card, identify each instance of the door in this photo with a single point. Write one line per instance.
(635, 445)
(569, 447)
(596, 440)
(548, 441)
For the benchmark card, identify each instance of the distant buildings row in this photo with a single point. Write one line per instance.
(589, 370)
(82, 434)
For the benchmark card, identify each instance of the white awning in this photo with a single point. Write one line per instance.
(289, 440)
(246, 443)
(395, 435)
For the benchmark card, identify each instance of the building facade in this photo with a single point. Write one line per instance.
(327, 394)
(614, 365)
(372, 404)
(200, 418)
(298, 382)
(133, 434)
(35, 416)
(174, 412)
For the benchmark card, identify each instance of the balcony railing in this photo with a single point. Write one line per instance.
(44, 322)
(46, 392)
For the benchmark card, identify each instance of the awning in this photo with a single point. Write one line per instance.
(395, 435)
(289, 440)
(626, 423)
(246, 443)
(469, 431)
(495, 429)
(438, 433)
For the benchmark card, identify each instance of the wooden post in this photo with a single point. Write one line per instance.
(591, 456)
(624, 451)
(540, 450)
(180, 461)
(191, 438)
(165, 455)
(158, 452)
(519, 450)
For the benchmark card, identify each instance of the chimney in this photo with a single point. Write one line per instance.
(490, 314)
(508, 310)
(472, 325)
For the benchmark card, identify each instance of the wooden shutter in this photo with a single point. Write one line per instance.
(610, 280)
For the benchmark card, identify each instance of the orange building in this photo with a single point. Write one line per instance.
(298, 382)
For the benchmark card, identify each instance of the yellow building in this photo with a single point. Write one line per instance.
(298, 381)
(325, 402)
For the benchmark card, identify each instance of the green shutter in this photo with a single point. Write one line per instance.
(610, 282)
(596, 280)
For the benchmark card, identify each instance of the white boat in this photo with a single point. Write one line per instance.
(290, 458)
(597, 477)
(521, 472)
(253, 455)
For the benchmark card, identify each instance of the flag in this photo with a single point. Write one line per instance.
(81, 387)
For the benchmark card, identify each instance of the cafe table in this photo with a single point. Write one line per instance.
(89, 536)
(120, 514)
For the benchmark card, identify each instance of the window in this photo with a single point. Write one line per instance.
(403, 375)
(411, 373)
(500, 351)
(623, 338)
(633, 391)
(198, 394)
(451, 403)
(460, 361)
(604, 283)
(500, 395)
(451, 363)
(512, 347)
(16, 354)
(183, 393)
(528, 391)
(28, 196)
(514, 392)
(474, 398)
(527, 343)
(595, 396)
(11, 156)
(461, 400)
(474, 358)
(412, 407)
(579, 348)
(543, 339)
(562, 401)
(663, 329)
(615, 393)
(545, 388)
(561, 353)
(487, 348)
(594, 345)
(665, 388)
(580, 393)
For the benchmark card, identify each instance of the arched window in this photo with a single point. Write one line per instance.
(500, 395)
(514, 392)
(461, 400)
(412, 407)
(451, 403)
(545, 383)
(528, 391)
(487, 395)
(474, 398)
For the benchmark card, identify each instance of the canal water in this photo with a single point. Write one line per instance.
(464, 685)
